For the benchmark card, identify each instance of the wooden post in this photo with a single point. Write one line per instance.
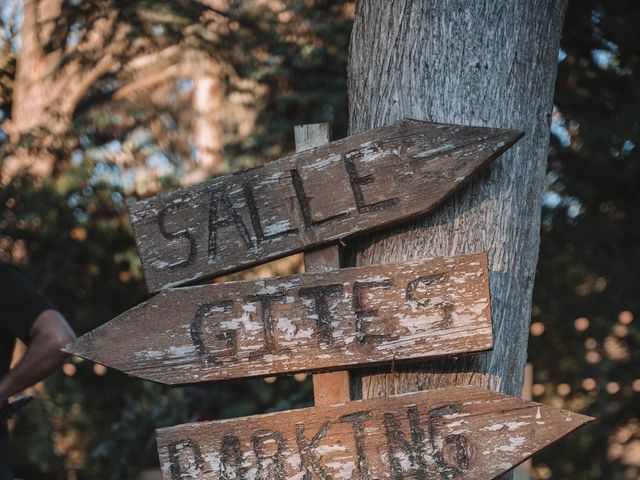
(333, 387)
(523, 471)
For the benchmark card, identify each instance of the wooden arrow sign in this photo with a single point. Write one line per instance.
(357, 184)
(462, 433)
(306, 322)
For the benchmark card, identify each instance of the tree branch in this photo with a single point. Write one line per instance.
(30, 47)
(83, 83)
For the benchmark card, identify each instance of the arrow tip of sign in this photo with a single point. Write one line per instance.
(577, 419)
(80, 347)
(510, 135)
(513, 136)
(557, 422)
(409, 121)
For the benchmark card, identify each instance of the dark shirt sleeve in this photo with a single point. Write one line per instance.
(20, 303)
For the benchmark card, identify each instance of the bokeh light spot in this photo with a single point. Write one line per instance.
(625, 317)
(537, 389)
(300, 377)
(581, 324)
(613, 388)
(563, 389)
(537, 329)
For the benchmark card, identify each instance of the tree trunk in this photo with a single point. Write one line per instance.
(47, 90)
(208, 96)
(487, 63)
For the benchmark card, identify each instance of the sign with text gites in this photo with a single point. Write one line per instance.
(462, 433)
(309, 322)
(364, 182)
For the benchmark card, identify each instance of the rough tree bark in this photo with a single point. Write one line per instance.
(208, 96)
(482, 62)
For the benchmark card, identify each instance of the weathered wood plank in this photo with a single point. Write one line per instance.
(331, 387)
(357, 184)
(328, 387)
(307, 322)
(311, 135)
(465, 433)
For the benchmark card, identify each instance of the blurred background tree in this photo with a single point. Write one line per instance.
(103, 101)
(110, 100)
(584, 332)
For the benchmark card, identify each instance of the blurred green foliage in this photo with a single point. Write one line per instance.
(587, 294)
(70, 233)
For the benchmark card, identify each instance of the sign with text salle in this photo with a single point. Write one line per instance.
(354, 185)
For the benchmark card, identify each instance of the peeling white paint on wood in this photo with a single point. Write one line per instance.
(479, 62)
(311, 322)
(406, 436)
(364, 182)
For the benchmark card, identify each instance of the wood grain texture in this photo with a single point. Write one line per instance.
(360, 183)
(329, 387)
(481, 62)
(309, 322)
(462, 433)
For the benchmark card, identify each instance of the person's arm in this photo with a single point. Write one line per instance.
(47, 335)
